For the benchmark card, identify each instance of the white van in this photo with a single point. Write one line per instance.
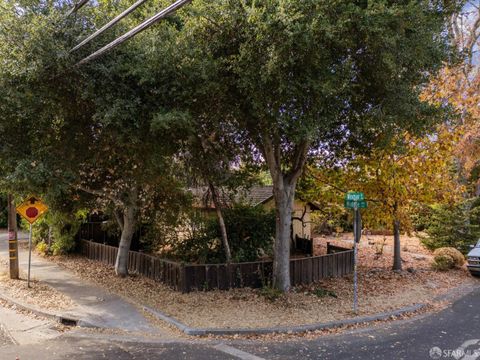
(473, 258)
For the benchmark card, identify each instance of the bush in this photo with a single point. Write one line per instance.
(270, 293)
(59, 228)
(443, 262)
(250, 232)
(321, 292)
(452, 226)
(42, 248)
(457, 256)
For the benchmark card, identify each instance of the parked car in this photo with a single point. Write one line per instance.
(473, 258)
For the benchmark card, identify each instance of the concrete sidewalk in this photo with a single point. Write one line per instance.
(95, 306)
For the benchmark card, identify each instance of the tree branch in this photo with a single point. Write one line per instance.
(97, 192)
(119, 218)
(299, 159)
(269, 153)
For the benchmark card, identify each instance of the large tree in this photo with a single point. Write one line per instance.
(395, 179)
(105, 128)
(313, 77)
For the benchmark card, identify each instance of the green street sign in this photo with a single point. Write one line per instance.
(350, 204)
(355, 196)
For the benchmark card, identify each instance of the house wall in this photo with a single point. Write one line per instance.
(301, 230)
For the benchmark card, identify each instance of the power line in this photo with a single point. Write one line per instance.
(77, 6)
(109, 24)
(146, 24)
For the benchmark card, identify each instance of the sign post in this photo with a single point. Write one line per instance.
(31, 209)
(355, 201)
(12, 239)
(29, 254)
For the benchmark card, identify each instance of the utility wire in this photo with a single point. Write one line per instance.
(77, 6)
(109, 24)
(146, 24)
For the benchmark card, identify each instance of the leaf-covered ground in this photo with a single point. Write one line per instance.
(39, 294)
(380, 289)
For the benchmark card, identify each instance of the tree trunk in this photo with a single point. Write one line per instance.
(284, 197)
(397, 258)
(12, 239)
(127, 224)
(284, 185)
(221, 222)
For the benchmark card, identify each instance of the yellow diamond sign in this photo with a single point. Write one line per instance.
(31, 209)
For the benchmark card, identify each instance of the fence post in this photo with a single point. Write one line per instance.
(182, 279)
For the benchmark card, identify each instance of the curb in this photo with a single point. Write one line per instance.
(69, 321)
(283, 330)
(453, 294)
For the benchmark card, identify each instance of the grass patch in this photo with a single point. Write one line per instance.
(321, 292)
(270, 293)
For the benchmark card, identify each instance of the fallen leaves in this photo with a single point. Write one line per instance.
(380, 289)
(39, 294)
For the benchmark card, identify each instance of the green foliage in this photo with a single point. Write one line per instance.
(270, 293)
(321, 292)
(443, 263)
(42, 248)
(250, 233)
(453, 225)
(59, 229)
(193, 244)
(420, 216)
(3, 212)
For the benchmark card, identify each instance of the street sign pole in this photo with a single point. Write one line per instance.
(12, 239)
(355, 279)
(355, 201)
(29, 255)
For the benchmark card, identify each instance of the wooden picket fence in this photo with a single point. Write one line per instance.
(187, 277)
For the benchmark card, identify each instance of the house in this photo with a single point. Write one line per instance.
(258, 196)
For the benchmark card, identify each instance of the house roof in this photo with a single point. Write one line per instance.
(257, 195)
(252, 196)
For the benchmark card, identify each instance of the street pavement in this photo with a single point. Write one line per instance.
(453, 333)
(449, 334)
(5, 338)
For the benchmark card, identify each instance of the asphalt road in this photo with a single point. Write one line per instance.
(448, 333)
(453, 333)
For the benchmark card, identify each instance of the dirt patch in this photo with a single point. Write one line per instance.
(39, 294)
(380, 290)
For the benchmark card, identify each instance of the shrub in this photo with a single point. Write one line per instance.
(60, 227)
(443, 262)
(270, 293)
(42, 248)
(321, 292)
(250, 232)
(457, 256)
(193, 244)
(452, 226)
